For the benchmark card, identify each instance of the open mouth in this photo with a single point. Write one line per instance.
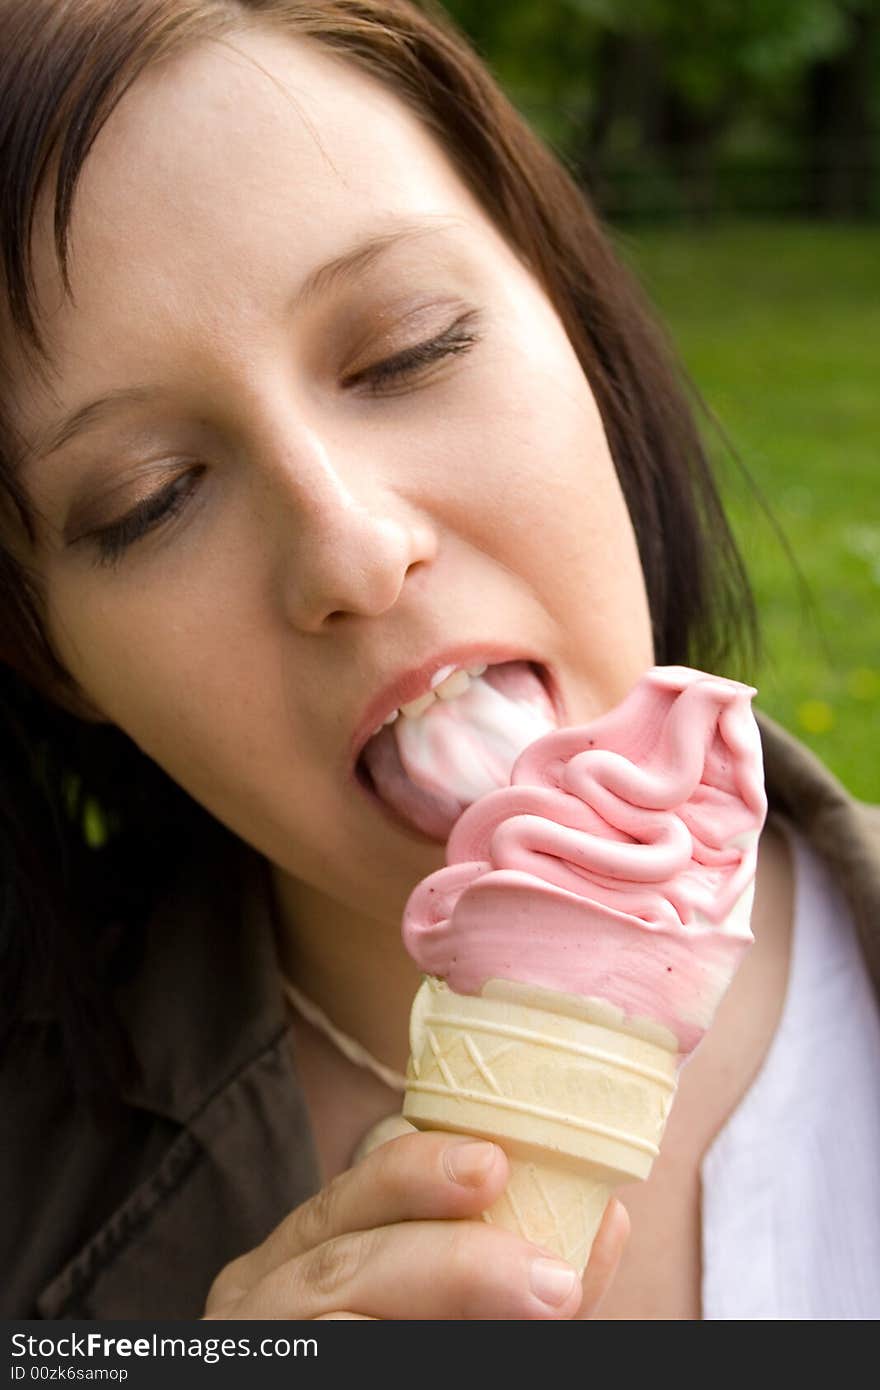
(424, 768)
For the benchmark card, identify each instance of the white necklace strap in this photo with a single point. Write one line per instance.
(349, 1048)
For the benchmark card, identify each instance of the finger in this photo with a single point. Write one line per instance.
(414, 1177)
(421, 1269)
(350, 1317)
(392, 1127)
(605, 1255)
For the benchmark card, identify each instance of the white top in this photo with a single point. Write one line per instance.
(791, 1184)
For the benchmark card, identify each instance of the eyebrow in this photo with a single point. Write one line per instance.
(342, 268)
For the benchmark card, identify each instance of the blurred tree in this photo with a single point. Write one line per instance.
(842, 112)
(661, 85)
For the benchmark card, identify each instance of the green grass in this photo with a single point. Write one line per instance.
(779, 328)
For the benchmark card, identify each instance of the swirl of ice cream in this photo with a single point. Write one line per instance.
(619, 863)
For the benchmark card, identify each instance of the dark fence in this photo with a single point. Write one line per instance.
(690, 189)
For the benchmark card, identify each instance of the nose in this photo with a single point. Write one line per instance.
(345, 540)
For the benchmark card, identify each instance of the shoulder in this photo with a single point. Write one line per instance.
(871, 819)
(843, 831)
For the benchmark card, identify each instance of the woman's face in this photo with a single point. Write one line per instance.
(259, 530)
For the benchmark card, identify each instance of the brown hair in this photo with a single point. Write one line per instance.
(65, 64)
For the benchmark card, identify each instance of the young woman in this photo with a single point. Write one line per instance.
(318, 376)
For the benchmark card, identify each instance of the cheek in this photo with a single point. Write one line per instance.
(158, 671)
(538, 477)
(210, 711)
(553, 512)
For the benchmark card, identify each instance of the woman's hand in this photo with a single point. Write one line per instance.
(399, 1236)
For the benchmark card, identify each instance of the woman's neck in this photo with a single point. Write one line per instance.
(352, 966)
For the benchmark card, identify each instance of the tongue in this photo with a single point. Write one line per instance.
(430, 768)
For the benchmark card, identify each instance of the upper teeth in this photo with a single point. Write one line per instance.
(452, 681)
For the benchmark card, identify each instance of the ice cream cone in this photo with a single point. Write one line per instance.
(576, 1095)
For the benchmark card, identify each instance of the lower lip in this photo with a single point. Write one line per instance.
(364, 781)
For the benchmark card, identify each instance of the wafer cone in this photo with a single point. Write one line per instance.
(576, 1095)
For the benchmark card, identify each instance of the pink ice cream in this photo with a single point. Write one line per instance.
(619, 863)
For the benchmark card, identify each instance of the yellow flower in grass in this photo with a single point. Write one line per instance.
(863, 683)
(816, 716)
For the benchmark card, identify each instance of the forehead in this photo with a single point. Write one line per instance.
(223, 177)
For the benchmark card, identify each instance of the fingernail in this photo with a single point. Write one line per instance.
(468, 1163)
(551, 1281)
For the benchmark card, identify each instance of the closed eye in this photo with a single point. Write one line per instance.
(458, 338)
(112, 541)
